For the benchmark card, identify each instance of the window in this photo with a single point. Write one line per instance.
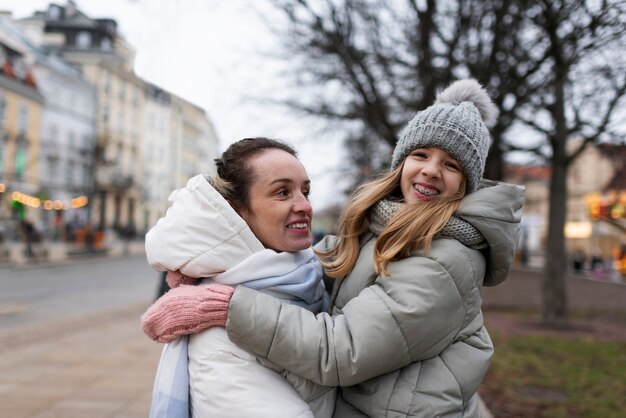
(106, 44)
(83, 40)
(19, 68)
(69, 174)
(134, 127)
(22, 119)
(2, 157)
(20, 161)
(107, 84)
(3, 56)
(53, 168)
(54, 12)
(105, 116)
(86, 144)
(122, 91)
(120, 121)
(70, 140)
(86, 175)
(53, 133)
(3, 111)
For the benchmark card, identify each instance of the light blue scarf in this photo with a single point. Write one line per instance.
(294, 278)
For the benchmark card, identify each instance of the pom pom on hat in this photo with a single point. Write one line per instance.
(457, 122)
(469, 90)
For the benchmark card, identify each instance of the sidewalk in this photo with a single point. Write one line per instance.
(523, 290)
(97, 366)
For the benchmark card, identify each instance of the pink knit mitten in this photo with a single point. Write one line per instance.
(176, 278)
(187, 310)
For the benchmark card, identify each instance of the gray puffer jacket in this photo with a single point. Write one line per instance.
(409, 345)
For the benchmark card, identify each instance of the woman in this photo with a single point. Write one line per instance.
(405, 335)
(249, 225)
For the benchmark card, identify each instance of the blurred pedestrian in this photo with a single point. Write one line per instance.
(579, 259)
(89, 238)
(4, 250)
(597, 264)
(163, 286)
(405, 334)
(27, 232)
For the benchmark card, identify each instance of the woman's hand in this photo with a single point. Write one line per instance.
(187, 310)
(176, 278)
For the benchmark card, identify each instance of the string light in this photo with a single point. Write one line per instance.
(35, 202)
(611, 205)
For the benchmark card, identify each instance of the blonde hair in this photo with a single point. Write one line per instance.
(413, 227)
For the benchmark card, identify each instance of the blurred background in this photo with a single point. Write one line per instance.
(106, 107)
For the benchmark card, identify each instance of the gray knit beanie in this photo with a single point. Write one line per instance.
(456, 123)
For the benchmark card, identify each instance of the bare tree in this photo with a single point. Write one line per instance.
(578, 80)
(378, 62)
(554, 67)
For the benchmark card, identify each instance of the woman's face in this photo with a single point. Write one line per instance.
(279, 212)
(429, 173)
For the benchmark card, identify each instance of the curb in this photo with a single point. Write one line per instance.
(72, 260)
(52, 253)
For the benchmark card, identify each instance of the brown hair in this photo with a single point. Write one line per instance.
(412, 228)
(234, 174)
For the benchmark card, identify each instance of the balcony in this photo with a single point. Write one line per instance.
(122, 182)
(112, 177)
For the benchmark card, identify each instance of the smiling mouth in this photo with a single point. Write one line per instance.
(427, 191)
(298, 226)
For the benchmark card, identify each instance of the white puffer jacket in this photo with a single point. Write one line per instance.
(202, 236)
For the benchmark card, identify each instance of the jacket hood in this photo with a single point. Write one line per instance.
(495, 210)
(201, 234)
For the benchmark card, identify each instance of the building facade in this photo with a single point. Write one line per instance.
(179, 142)
(157, 164)
(104, 59)
(596, 180)
(196, 142)
(145, 141)
(117, 203)
(21, 105)
(67, 145)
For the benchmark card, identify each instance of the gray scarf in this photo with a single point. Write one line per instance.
(456, 228)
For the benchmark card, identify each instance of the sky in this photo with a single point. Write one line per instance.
(210, 52)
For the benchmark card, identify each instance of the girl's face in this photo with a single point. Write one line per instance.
(279, 212)
(429, 173)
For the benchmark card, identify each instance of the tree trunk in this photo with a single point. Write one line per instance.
(494, 169)
(554, 292)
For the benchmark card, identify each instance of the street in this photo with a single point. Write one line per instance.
(39, 294)
(71, 343)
